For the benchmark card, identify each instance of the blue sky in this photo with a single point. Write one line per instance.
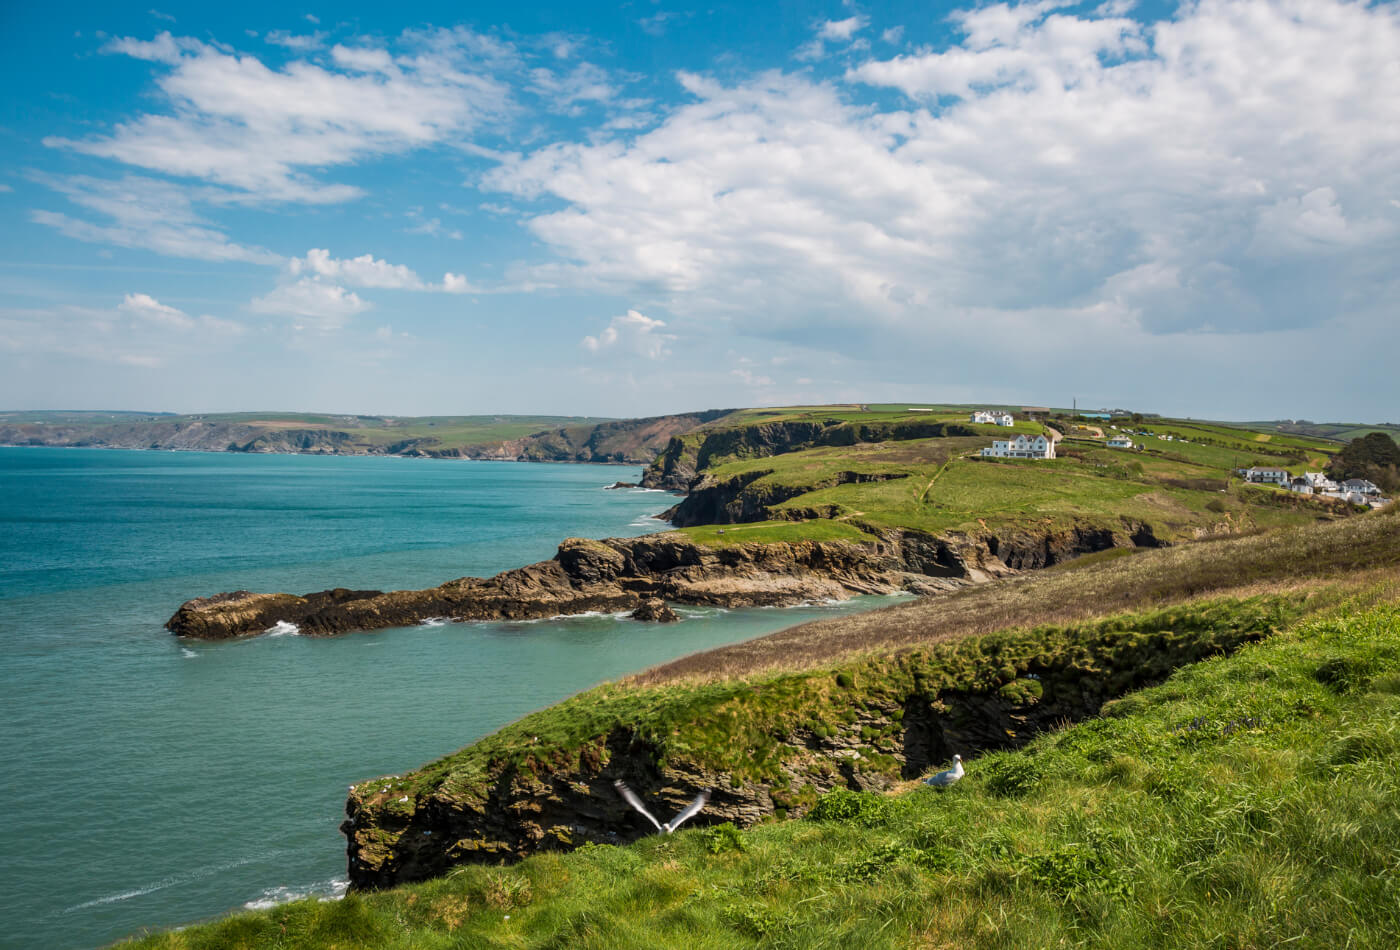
(654, 207)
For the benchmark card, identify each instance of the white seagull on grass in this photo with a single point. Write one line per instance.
(947, 776)
(690, 811)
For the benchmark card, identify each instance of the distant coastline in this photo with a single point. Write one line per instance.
(483, 438)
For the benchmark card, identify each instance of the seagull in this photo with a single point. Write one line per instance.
(690, 811)
(947, 776)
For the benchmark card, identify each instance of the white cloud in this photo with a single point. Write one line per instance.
(144, 213)
(261, 132)
(146, 307)
(139, 332)
(457, 284)
(297, 41)
(6, 188)
(841, 31)
(366, 271)
(362, 271)
(832, 31)
(584, 83)
(321, 305)
(631, 333)
(1052, 173)
(433, 227)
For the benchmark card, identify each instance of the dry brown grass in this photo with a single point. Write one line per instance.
(1358, 549)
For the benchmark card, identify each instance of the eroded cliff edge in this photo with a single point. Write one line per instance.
(621, 573)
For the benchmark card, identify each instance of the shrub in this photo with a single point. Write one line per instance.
(866, 809)
(723, 838)
(845, 680)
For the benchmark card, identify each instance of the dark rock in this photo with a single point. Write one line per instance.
(655, 610)
(620, 573)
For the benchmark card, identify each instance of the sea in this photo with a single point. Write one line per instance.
(150, 781)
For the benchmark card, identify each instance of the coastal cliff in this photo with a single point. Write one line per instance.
(619, 574)
(765, 749)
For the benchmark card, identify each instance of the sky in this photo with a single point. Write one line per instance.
(649, 207)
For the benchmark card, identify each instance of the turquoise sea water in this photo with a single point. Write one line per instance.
(149, 781)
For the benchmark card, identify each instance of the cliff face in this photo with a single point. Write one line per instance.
(866, 728)
(738, 499)
(621, 573)
(675, 469)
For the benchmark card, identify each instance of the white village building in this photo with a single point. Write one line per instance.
(1022, 447)
(1266, 476)
(1120, 442)
(1360, 486)
(994, 417)
(1319, 481)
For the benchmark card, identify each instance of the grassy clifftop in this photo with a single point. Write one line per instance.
(1248, 801)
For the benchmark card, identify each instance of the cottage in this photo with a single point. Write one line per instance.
(1022, 447)
(1265, 476)
(1320, 482)
(1300, 485)
(1361, 486)
(993, 417)
(1120, 442)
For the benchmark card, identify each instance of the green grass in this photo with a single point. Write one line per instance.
(775, 531)
(1248, 801)
(936, 485)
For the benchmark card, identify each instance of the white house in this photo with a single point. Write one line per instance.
(994, 417)
(1267, 476)
(1022, 447)
(1361, 486)
(1120, 442)
(1319, 481)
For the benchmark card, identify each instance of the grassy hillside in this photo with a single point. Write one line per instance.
(1336, 431)
(1248, 801)
(1179, 489)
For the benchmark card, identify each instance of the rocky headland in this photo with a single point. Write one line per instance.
(621, 574)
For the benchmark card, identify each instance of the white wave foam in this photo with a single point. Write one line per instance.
(432, 622)
(172, 881)
(325, 891)
(283, 628)
(188, 654)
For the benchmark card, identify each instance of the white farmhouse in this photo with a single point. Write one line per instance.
(994, 417)
(1120, 442)
(1265, 476)
(1360, 486)
(1319, 481)
(1022, 447)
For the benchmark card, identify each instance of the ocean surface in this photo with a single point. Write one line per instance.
(149, 781)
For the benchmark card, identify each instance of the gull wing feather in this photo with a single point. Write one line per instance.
(636, 803)
(690, 812)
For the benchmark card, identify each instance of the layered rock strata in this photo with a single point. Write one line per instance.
(619, 574)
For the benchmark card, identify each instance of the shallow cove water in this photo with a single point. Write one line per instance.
(150, 781)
